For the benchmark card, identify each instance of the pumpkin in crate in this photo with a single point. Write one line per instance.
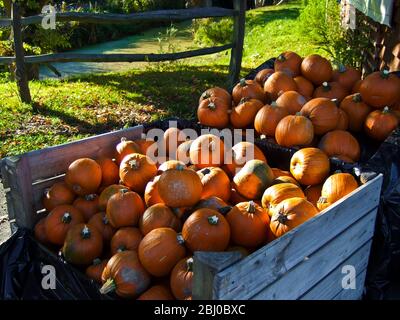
(379, 124)
(170, 164)
(82, 244)
(247, 89)
(288, 62)
(268, 117)
(285, 179)
(304, 86)
(291, 213)
(84, 176)
(277, 193)
(59, 221)
(95, 270)
(356, 110)
(331, 90)
(136, 170)
(323, 113)
(213, 112)
(181, 279)
(253, 179)
(100, 222)
(292, 101)
(340, 143)
(309, 166)
(183, 152)
(294, 130)
(278, 83)
(207, 151)
(109, 171)
(244, 113)
(380, 89)
(107, 193)
(336, 187)
(206, 230)
(157, 292)
(236, 197)
(180, 187)
(124, 209)
(216, 92)
(356, 87)
(125, 275)
(313, 193)
(151, 194)
(214, 203)
(88, 205)
(158, 216)
(173, 137)
(263, 75)
(39, 231)
(58, 194)
(278, 173)
(346, 76)
(316, 69)
(215, 183)
(147, 145)
(241, 153)
(248, 223)
(124, 148)
(343, 123)
(160, 250)
(126, 238)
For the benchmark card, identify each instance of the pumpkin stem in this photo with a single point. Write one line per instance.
(242, 82)
(385, 74)
(212, 106)
(385, 110)
(66, 218)
(342, 68)
(213, 220)
(189, 264)
(357, 97)
(326, 86)
(108, 286)
(180, 239)
(281, 58)
(121, 248)
(206, 95)
(96, 262)
(90, 197)
(180, 167)
(338, 171)
(335, 101)
(282, 218)
(123, 191)
(273, 104)
(224, 210)
(105, 220)
(85, 233)
(205, 171)
(134, 164)
(252, 207)
(243, 100)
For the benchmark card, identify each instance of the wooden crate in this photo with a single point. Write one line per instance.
(305, 263)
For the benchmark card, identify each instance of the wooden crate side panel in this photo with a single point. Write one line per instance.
(353, 294)
(331, 285)
(269, 263)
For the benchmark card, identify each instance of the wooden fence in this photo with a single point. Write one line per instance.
(16, 22)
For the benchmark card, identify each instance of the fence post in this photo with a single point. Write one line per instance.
(238, 36)
(20, 72)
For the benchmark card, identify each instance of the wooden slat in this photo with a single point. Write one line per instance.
(269, 263)
(330, 286)
(353, 294)
(5, 23)
(319, 264)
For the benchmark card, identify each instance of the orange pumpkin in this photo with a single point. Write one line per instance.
(107, 193)
(215, 183)
(87, 205)
(275, 194)
(356, 87)
(151, 194)
(263, 75)
(58, 194)
(100, 222)
(304, 86)
(379, 124)
(316, 69)
(331, 90)
(313, 193)
(158, 216)
(183, 152)
(83, 176)
(214, 203)
(109, 171)
(124, 148)
(207, 151)
(340, 143)
(156, 292)
(268, 117)
(244, 113)
(181, 279)
(145, 145)
(284, 179)
(173, 137)
(278, 83)
(292, 101)
(278, 173)
(236, 197)
(346, 76)
(294, 130)
(216, 92)
(247, 89)
(95, 270)
(213, 112)
(356, 110)
(288, 62)
(126, 238)
(40, 231)
(170, 164)
(343, 122)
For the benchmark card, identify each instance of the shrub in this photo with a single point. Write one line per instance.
(213, 31)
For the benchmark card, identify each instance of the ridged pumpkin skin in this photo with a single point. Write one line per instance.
(313, 193)
(253, 179)
(207, 151)
(340, 143)
(244, 113)
(58, 194)
(294, 130)
(100, 222)
(126, 238)
(160, 250)
(216, 92)
(336, 187)
(181, 279)
(289, 214)
(240, 154)
(263, 75)
(124, 209)
(215, 183)
(151, 194)
(343, 123)
(247, 89)
(278, 83)
(109, 171)
(292, 101)
(285, 179)
(346, 76)
(213, 112)
(249, 224)
(158, 216)
(268, 117)
(206, 230)
(95, 270)
(180, 187)
(379, 124)
(277, 193)
(323, 114)
(170, 164)
(316, 69)
(82, 244)
(356, 110)
(87, 205)
(310, 166)
(107, 193)
(183, 152)
(213, 202)
(124, 148)
(331, 90)
(288, 62)
(136, 170)
(83, 176)
(125, 275)
(380, 89)
(304, 86)
(156, 292)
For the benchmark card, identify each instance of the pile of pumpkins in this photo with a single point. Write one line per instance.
(133, 224)
(305, 102)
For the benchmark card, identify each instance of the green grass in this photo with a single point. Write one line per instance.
(71, 109)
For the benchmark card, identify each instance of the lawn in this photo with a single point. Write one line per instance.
(77, 107)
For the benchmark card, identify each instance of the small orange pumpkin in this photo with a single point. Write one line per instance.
(109, 170)
(87, 205)
(216, 92)
(59, 193)
(84, 176)
(343, 122)
(151, 194)
(126, 238)
(215, 183)
(304, 86)
(278, 83)
(95, 270)
(100, 222)
(106, 194)
(207, 151)
(292, 101)
(294, 130)
(247, 89)
(263, 75)
(158, 216)
(170, 164)
(244, 113)
(268, 117)
(313, 193)
(379, 124)
(288, 62)
(181, 279)
(356, 110)
(125, 147)
(331, 90)
(340, 143)
(346, 76)
(316, 69)
(213, 112)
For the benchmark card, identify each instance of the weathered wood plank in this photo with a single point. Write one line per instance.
(206, 266)
(353, 294)
(5, 22)
(331, 285)
(269, 263)
(319, 264)
(116, 57)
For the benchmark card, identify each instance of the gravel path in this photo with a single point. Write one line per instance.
(4, 225)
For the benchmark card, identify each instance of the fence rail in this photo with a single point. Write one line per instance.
(17, 22)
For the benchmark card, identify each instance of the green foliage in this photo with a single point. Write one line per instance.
(129, 6)
(209, 32)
